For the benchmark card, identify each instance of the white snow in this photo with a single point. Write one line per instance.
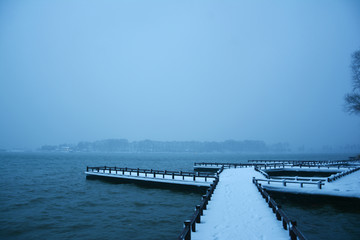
(200, 181)
(347, 186)
(237, 211)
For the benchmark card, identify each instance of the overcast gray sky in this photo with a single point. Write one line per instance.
(73, 70)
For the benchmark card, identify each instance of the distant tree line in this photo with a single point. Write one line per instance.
(123, 145)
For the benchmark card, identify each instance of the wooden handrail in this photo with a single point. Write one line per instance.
(227, 165)
(151, 171)
(340, 175)
(305, 162)
(190, 225)
(284, 182)
(287, 223)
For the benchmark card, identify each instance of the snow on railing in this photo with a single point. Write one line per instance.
(304, 162)
(284, 182)
(190, 225)
(287, 223)
(262, 172)
(150, 172)
(342, 174)
(226, 165)
(282, 165)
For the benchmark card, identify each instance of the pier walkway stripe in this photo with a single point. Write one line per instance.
(237, 211)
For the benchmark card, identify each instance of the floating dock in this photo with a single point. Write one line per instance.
(232, 207)
(150, 176)
(337, 185)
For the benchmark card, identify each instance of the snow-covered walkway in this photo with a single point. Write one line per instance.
(237, 211)
(347, 186)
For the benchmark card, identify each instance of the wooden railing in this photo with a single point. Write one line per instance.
(262, 172)
(284, 165)
(342, 174)
(152, 172)
(226, 165)
(190, 225)
(284, 182)
(272, 165)
(305, 162)
(287, 223)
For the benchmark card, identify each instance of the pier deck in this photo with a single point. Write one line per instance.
(347, 186)
(237, 211)
(152, 176)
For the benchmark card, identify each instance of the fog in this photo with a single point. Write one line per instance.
(84, 70)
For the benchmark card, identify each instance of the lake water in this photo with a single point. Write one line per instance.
(47, 196)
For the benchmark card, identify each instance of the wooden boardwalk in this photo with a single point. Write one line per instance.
(238, 211)
(232, 208)
(152, 176)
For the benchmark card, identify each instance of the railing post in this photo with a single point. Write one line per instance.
(291, 231)
(187, 225)
(205, 202)
(284, 223)
(200, 211)
(173, 176)
(193, 227)
(194, 177)
(269, 202)
(278, 216)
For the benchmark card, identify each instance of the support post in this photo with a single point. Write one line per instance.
(278, 216)
(205, 202)
(187, 225)
(201, 211)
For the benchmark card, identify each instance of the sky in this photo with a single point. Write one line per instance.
(86, 70)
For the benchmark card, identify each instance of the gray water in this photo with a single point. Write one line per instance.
(47, 196)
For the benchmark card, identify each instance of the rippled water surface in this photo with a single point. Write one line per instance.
(47, 196)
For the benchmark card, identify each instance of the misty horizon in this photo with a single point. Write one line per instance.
(191, 146)
(166, 70)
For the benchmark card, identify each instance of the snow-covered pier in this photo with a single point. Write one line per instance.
(232, 207)
(150, 176)
(319, 181)
(336, 185)
(238, 211)
(304, 162)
